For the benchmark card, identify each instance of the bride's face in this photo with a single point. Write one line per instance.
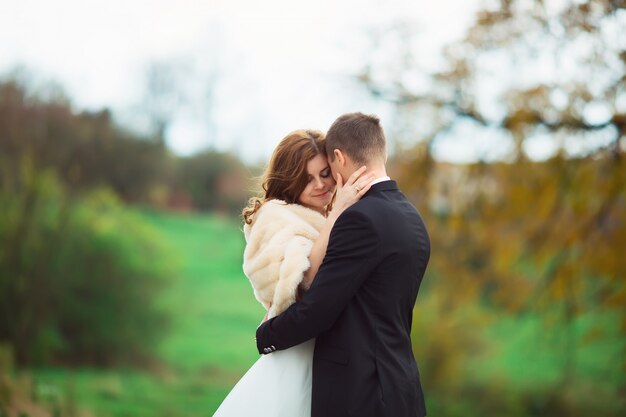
(321, 186)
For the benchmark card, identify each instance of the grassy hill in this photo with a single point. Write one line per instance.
(212, 343)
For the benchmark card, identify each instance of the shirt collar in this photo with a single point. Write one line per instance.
(379, 179)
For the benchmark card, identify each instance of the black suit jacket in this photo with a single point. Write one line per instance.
(360, 308)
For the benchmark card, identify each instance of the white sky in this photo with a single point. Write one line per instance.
(278, 65)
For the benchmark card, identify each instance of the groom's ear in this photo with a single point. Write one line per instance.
(340, 157)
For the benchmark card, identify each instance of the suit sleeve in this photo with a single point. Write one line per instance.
(350, 258)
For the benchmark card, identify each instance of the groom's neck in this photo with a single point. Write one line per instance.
(377, 171)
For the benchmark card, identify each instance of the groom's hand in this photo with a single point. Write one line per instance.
(263, 349)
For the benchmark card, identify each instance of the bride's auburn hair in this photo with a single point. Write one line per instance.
(286, 175)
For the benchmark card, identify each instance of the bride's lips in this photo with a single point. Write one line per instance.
(321, 195)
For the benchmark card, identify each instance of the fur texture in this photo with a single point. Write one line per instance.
(278, 245)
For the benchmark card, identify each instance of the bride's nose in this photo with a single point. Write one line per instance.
(319, 184)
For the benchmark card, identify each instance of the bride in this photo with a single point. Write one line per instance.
(287, 232)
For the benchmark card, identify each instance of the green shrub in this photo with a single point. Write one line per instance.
(78, 277)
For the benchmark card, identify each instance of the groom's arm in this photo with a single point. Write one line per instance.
(350, 258)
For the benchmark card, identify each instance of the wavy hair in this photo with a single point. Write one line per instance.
(286, 175)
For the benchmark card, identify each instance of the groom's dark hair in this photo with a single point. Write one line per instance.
(359, 135)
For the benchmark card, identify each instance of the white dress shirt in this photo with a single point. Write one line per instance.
(379, 179)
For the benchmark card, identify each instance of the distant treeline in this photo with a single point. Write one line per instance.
(88, 149)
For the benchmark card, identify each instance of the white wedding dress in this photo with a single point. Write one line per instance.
(277, 385)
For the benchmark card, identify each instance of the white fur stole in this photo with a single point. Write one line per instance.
(278, 245)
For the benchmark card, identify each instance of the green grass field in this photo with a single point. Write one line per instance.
(212, 342)
(211, 345)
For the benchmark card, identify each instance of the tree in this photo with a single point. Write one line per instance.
(546, 70)
(180, 89)
(215, 181)
(162, 96)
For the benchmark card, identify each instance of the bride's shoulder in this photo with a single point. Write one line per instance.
(269, 212)
(296, 212)
(269, 219)
(280, 212)
(273, 208)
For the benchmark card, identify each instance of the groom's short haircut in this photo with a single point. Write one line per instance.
(360, 136)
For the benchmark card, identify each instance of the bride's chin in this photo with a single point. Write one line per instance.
(326, 202)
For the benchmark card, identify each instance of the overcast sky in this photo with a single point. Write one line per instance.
(271, 66)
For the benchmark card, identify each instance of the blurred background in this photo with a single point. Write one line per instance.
(132, 134)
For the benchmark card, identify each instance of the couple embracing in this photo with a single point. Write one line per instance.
(336, 254)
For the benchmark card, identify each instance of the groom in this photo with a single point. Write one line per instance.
(360, 306)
